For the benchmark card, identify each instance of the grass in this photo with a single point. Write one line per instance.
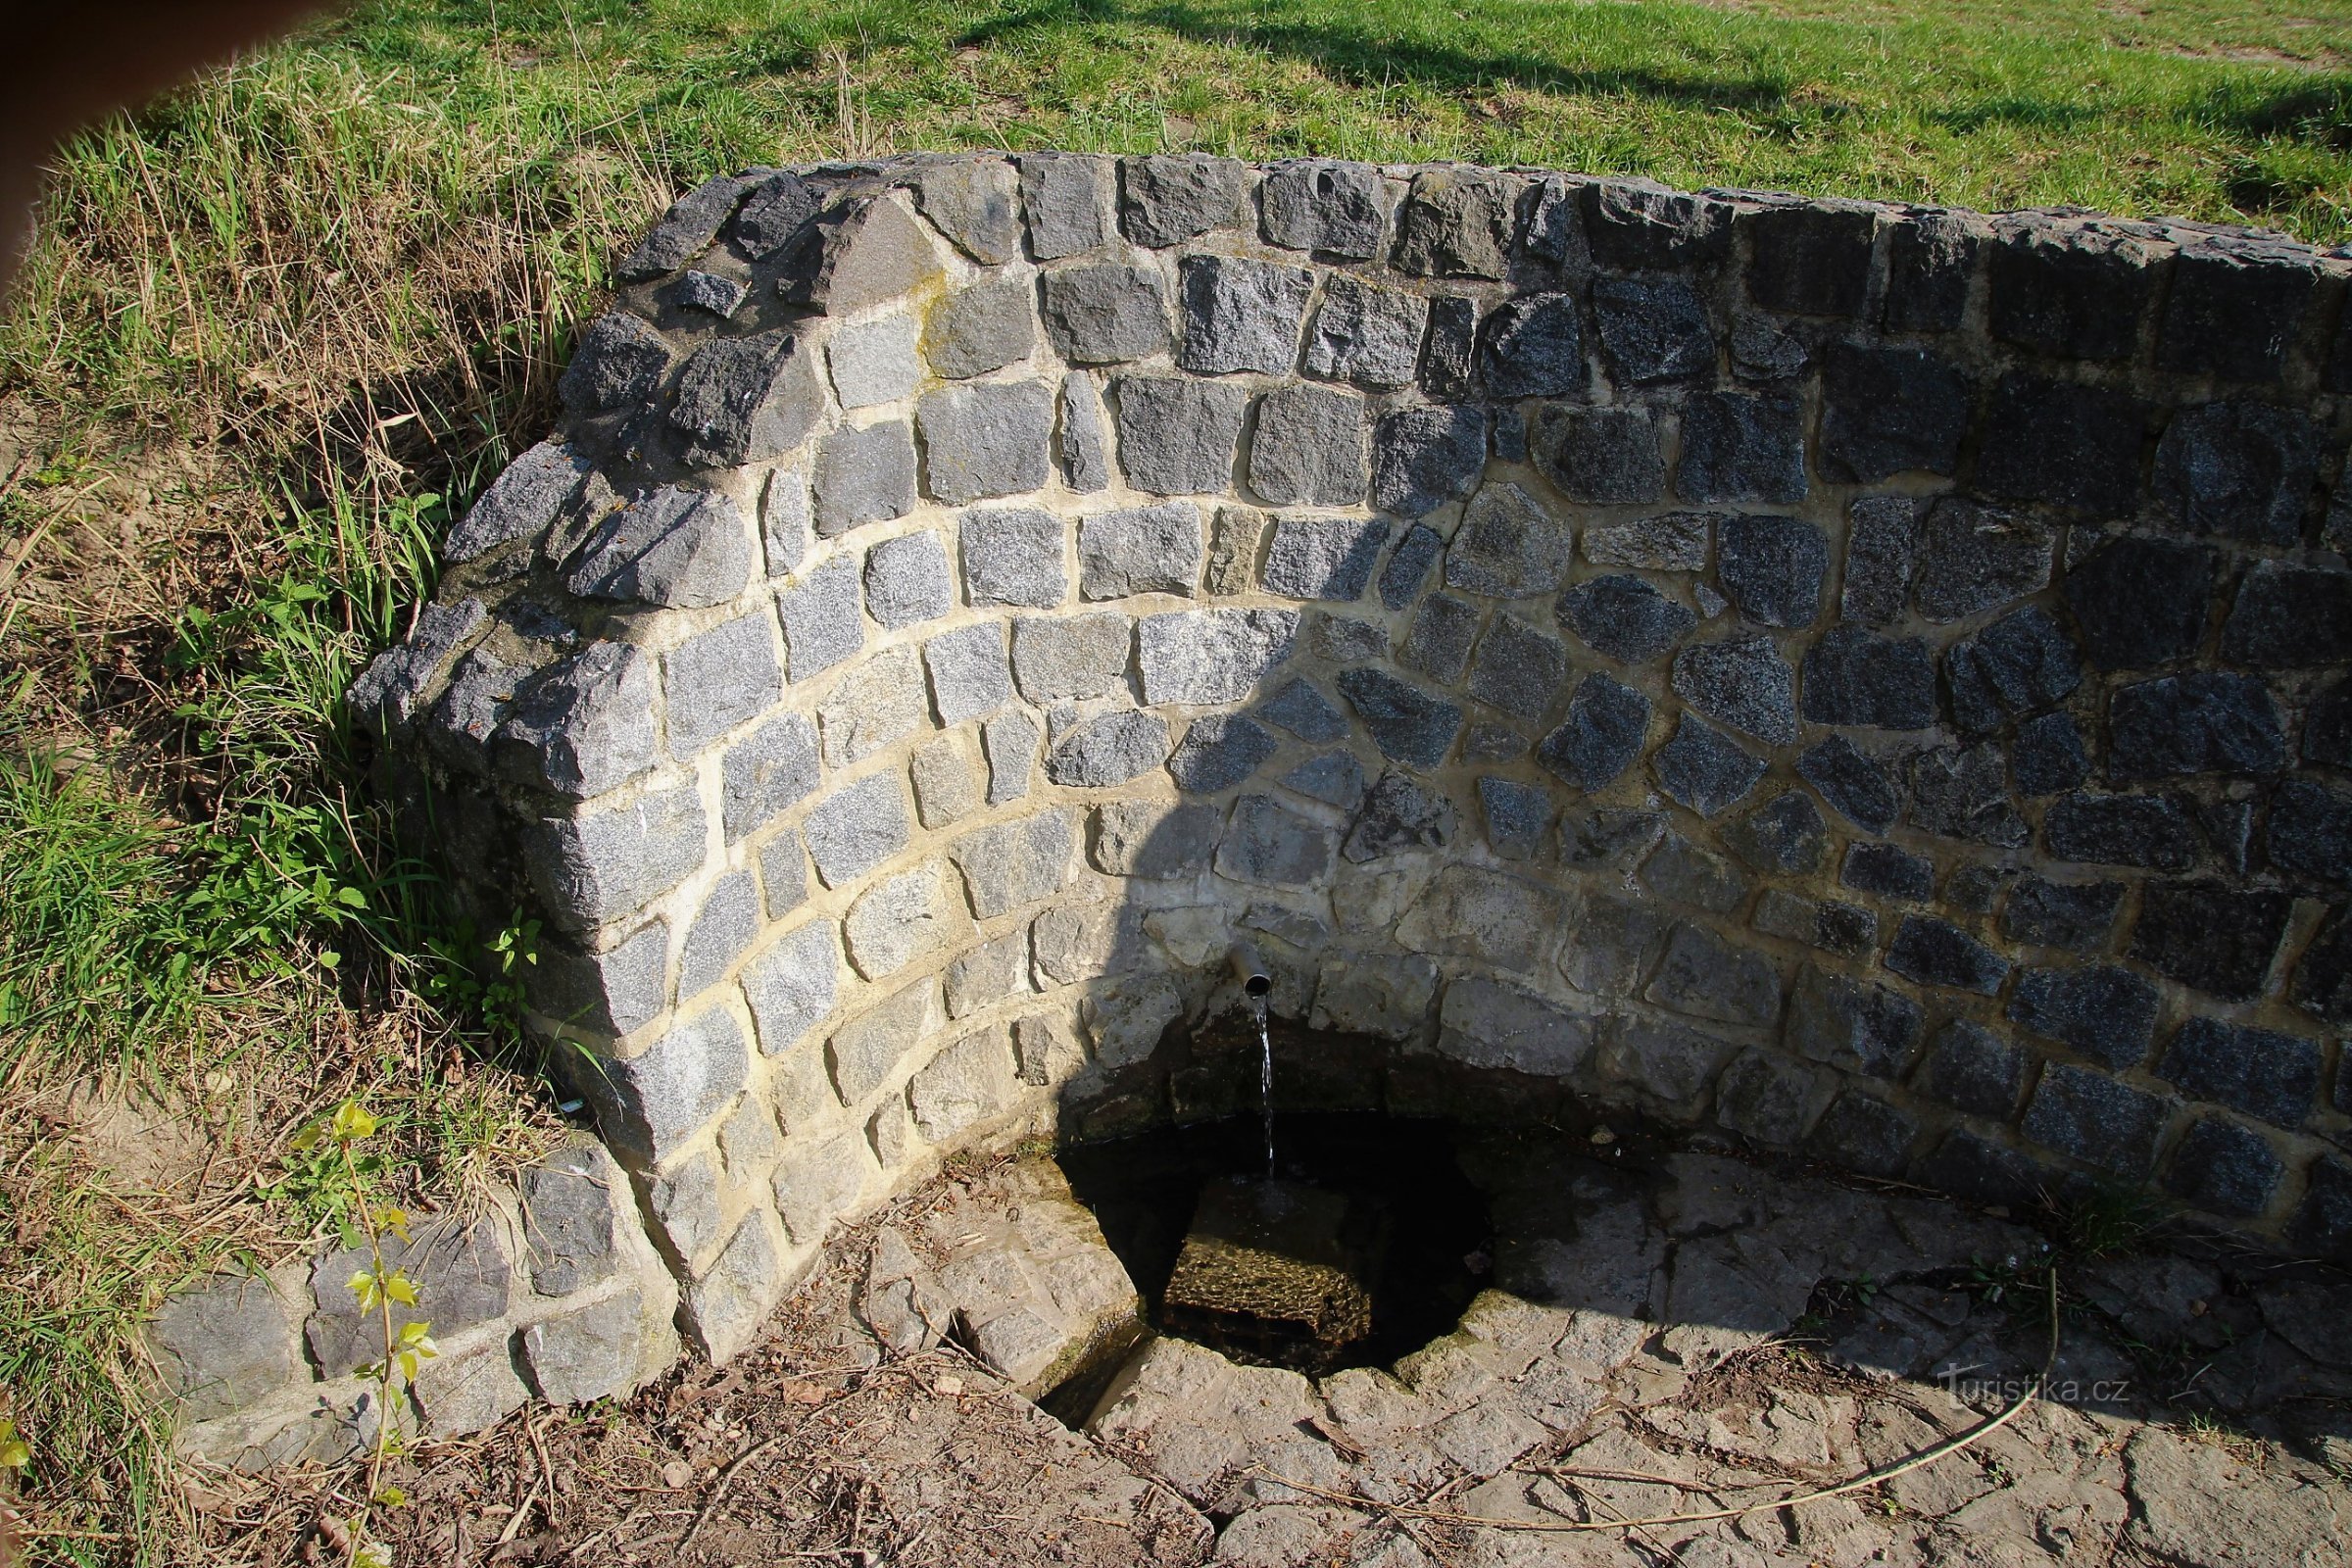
(272, 321)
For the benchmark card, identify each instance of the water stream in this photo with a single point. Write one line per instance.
(1265, 1077)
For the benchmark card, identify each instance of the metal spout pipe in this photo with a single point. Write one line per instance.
(1250, 974)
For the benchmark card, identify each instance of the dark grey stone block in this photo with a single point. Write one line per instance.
(1065, 196)
(1855, 784)
(2105, 1012)
(522, 502)
(1424, 458)
(2234, 311)
(745, 399)
(1852, 1026)
(2224, 1168)
(1858, 678)
(2062, 443)
(686, 231)
(1177, 435)
(1219, 750)
(2201, 722)
(1703, 769)
(1438, 645)
(1654, 329)
(1509, 545)
(678, 548)
(1784, 834)
(1456, 223)
(1322, 205)
(1971, 1068)
(1772, 567)
(1518, 668)
(1739, 446)
(1239, 315)
(1167, 199)
(1937, 952)
(2216, 938)
(1864, 1134)
(619, 363)
(1972, 559)
(1335, 778)
(1518, 817)
(863, 475)
(1704, 976)
(773, 212)
(1624, 617)
(1309, 450)
(1881, 545)
(1532, 347)
(1406, 723)
(1810, 259)
(2260, 1071)
(1609, 839)
(2141, 603)
(2020, 663)
(1107, 312)
(2289, 617)
(1603, 457)
(1641, 224)
(1366, 335)
(1299, 706)
(1762, 352)
(2327, 726)
(1931, 256)
(1399, 815)
(2120, 830)
(1963, 793)
(1744, 683)
(2047, 756)
(1887, 872)
(2238, 471)
(1449, 361)
(1977, 1170)
(2074, 916)
(709, 293)
(2070, 293)
(2310, 831)
(985, 441)
(1681, 872)
(1112, 749)
(2322, 1222)
(1601, 736)
(2088, 1115)
(1889, 411)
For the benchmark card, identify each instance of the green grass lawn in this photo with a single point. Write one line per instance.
(278, 328)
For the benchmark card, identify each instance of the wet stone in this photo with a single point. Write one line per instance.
(2289, 617)
(1366, 335)
(1887, 411)
(2224, 1168)
(1534, 348)
(2120, 830)
(2090, 1117)
(1858, 678)
(2310, 831)
(1509, 545)
(1772, 567)
(2074, 916)
(1624, 617)
(1518, 668)
(1782, 835)
(1741, 447)
(1705, 769)
(1887, 871)
(1744, 683)
(2260, 1071)
(1654, 329)
(1239, 315)
(2061, 443)
(2218, 939)
(1406, 723)
(1105, 313)
(1322, 205)
(1972, 559)
(1937, 952)
(1177, 435)
(1424, 458)
(1456, 222)
(1219, 752)
(1855, 784)
(1963, 793)
(2020, 663)
(1168, 199)
(2206, 723)
(1601, 736)
(1971, 1068)
(2106, 1014)
(1399, 815)
(1603, 457)
(1881, 545)
(2238, 471)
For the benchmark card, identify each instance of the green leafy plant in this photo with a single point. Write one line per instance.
(379, 1287)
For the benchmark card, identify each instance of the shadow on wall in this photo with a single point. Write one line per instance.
(1867, 680)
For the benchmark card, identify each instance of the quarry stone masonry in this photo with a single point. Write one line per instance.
(1868, 680)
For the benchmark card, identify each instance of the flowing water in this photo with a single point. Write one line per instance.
(1266, 1080)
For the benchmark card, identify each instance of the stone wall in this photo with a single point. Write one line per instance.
(1868, 679)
